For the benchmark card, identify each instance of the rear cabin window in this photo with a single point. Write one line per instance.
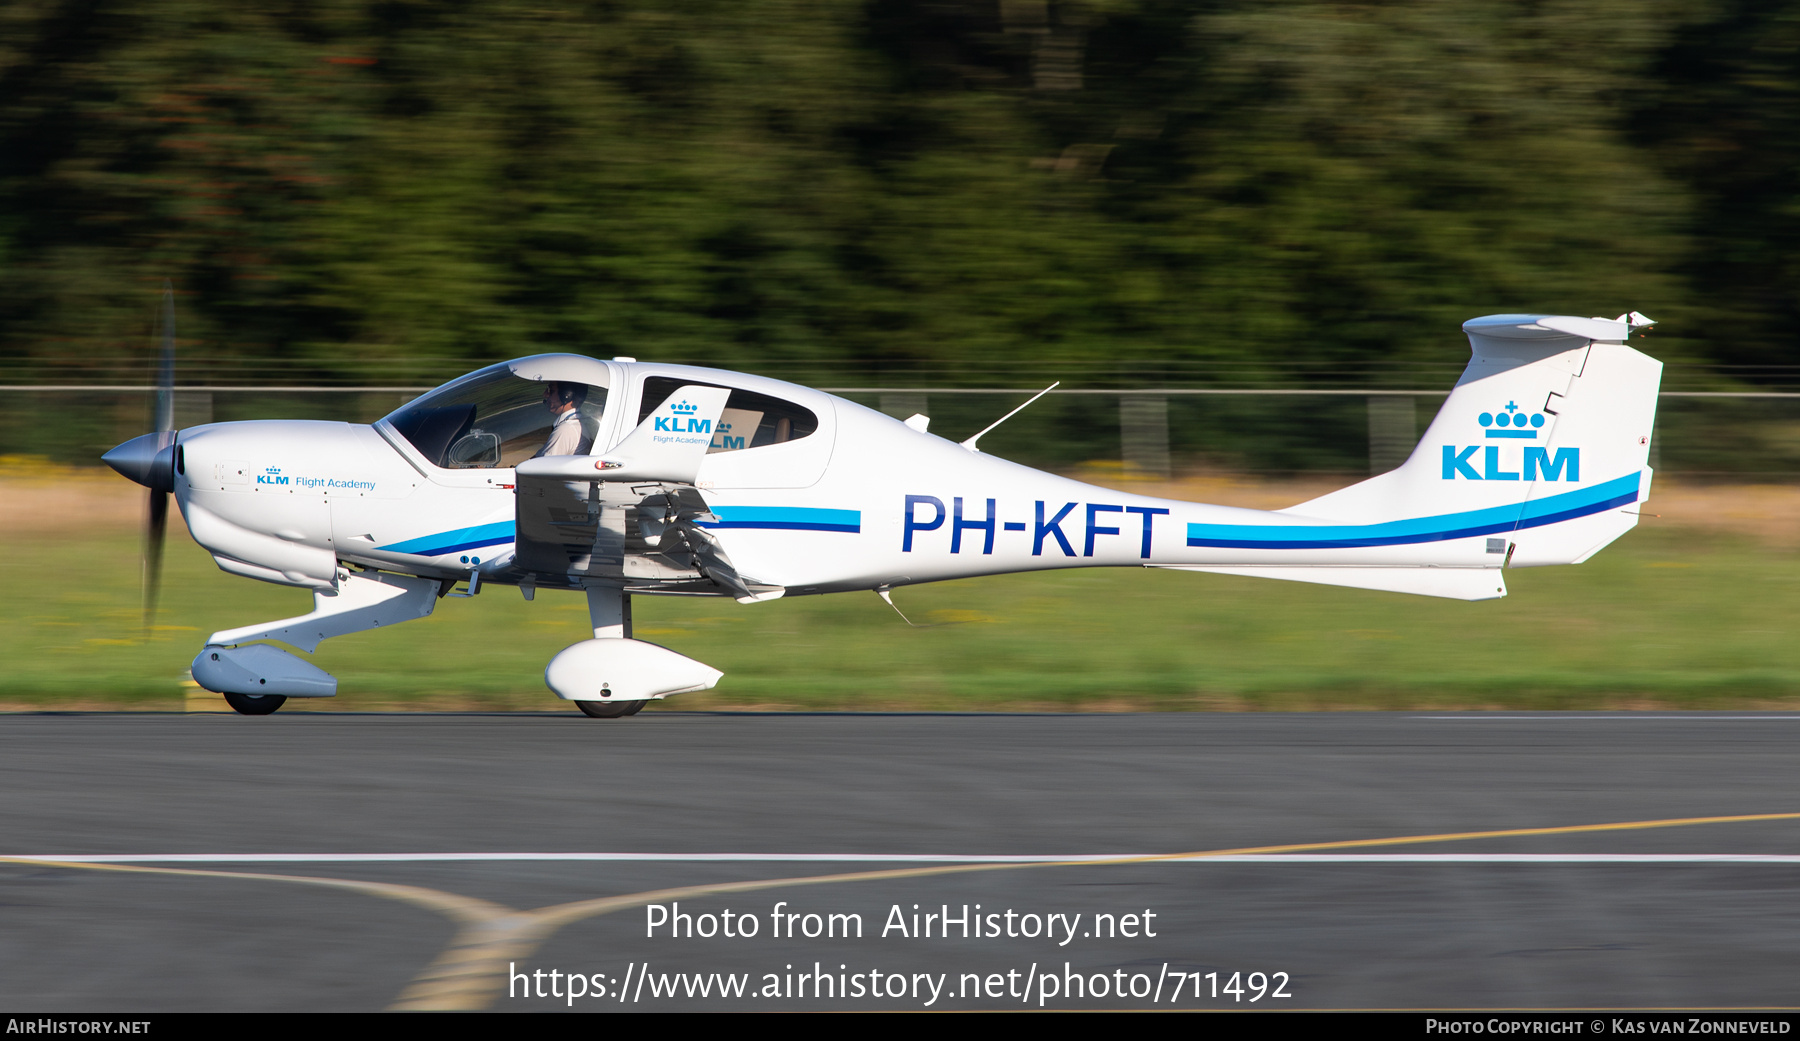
(749, 420)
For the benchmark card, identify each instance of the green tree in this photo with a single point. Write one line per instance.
(946, 190)
(1720, 110)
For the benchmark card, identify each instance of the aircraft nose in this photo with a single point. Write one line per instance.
(148, 459)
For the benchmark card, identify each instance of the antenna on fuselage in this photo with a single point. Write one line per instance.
(970, 443)
(887, 597)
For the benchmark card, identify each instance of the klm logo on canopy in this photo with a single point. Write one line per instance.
(684, 413)
(1535, 464)
(724, 440)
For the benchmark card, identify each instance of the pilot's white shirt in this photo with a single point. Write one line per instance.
(565, 436)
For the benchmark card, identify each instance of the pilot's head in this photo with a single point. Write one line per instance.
(561, 397)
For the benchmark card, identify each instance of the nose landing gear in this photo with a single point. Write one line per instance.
(610, 709)
(255, 704)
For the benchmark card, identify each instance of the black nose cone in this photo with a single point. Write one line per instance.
(148, 459)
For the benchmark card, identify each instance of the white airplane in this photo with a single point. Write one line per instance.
(685, 481)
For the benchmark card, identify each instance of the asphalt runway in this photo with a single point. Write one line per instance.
(363, 862)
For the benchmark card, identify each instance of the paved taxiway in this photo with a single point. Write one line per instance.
(1479, 931)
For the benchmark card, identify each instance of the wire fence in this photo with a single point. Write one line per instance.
(1147, 431)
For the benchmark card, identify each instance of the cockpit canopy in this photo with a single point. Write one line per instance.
(500, 416)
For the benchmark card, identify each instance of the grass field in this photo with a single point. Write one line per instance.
(1670, 616)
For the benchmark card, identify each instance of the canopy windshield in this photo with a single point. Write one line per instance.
(493, 419)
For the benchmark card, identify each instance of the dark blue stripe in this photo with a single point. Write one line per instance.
(1579, 511)
(779, 518)
(1622, 491)
(783, 526)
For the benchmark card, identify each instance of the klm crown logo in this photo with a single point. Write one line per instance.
(1511, 423)
(724, 441)
(683, 410)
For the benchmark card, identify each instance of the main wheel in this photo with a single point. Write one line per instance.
(255, 704)
(609, 709)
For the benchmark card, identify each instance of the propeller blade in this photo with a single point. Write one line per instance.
(153, 553)
(158, 523)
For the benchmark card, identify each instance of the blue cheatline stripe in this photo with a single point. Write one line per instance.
(786, 518)
(496, 534)
(792, 518)
(1536, 513)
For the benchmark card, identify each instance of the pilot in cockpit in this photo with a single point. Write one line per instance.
(566, 436)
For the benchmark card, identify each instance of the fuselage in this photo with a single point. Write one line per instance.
(861, 501)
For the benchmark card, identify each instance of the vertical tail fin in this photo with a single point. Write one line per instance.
(1543, 443)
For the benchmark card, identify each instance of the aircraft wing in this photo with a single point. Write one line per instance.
(630, 515)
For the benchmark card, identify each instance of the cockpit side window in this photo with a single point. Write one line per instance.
(493, 420)
(750, 420)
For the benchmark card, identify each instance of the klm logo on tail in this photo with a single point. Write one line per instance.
(1534, 464)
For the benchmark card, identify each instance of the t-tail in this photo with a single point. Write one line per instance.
(1538, 457)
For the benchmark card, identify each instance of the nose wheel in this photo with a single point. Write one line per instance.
(256, 704)
(605, 709)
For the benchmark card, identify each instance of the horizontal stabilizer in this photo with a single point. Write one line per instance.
(1554, 326)
(1455, 583)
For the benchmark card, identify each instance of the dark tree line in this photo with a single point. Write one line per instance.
(898, 186)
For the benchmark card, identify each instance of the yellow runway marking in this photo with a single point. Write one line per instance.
(455, 907)
(468, 975)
